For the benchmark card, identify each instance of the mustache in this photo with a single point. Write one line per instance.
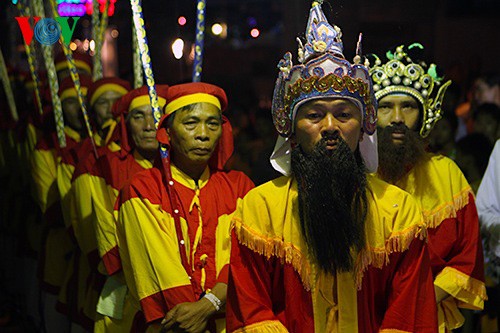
(398, 127)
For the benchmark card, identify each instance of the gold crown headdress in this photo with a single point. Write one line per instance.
(323, 72)
(401, 75)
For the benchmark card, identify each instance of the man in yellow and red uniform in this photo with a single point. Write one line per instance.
(410, 95)
(83, 64)
(101, 96)
(57, 246)
(174, 219)
(107, 177)
(327, 247)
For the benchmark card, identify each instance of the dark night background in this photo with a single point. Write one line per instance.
(462, 36)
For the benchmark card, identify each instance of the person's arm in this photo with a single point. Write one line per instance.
(44, 174)
(193, 317)
(411, 302)
(149, 250)
(249, 304)
(463, 275)
(488, 203)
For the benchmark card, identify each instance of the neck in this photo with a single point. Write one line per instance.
(192, 170)
(149, 155)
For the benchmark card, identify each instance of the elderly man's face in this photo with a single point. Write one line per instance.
(73, 113)
(321, 118)
(194, 133)
(102, 106)
(142, 129)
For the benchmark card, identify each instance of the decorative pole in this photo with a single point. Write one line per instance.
(30, 55)
(4, 75)
(136, 60)
(52, 78)
(145, 57)
(74, 75)
(200, 35)
(98, 29)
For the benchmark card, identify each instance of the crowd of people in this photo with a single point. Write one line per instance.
(366, 200)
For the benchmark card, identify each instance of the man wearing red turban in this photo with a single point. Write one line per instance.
(174, 219)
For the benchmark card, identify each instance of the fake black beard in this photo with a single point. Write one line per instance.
(332, 203)
(395, 160)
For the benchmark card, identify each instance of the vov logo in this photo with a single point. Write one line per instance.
(47, 30)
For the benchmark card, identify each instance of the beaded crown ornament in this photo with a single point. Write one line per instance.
(401, 75)
(323, 72)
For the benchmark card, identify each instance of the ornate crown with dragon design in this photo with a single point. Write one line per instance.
(323, 72)
(400, 75)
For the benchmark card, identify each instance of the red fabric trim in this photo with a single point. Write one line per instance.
(456, 243)
(157, 305)
(112, 261)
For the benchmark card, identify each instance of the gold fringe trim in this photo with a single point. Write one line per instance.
(267, 326)
(392, 330)
(379, 257)
(274, 247)
(448, 209)
(466, 282)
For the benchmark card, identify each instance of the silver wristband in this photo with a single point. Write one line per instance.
(214, 300)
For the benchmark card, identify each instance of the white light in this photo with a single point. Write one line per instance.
(92, 45)
(255, 33)
(217, 29)
(178, 48)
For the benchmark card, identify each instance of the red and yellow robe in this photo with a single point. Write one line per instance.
(57, 244)
(149, 244)
(107, 177)
(79, 209)
(274, 286)
(449, 209)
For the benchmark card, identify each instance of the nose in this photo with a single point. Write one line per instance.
(330, 124)
(397, 116)
(150, 124)
(202, 133)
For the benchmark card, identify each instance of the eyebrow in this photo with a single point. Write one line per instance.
(190, 117)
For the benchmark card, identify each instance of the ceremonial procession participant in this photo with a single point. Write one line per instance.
(107, 177)
(57, 245)
(174, 219)
(83, 63)
(327, 247)
(101, 96)
(488, 206)
(409, 95)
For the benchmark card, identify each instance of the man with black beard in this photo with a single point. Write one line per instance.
(327, 247)
(409, 104)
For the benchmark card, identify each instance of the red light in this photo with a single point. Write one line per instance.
(254, 32)
(181, 20)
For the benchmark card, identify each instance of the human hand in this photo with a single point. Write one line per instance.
(188, 317)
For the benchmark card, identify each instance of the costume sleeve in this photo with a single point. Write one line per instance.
(249, 305)
(103, 202)
(488, 202)
(81, 214)
(64, 176)
(149, 252)
(223, 232)
(411, 301)
(463, 275)
(44, 173)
